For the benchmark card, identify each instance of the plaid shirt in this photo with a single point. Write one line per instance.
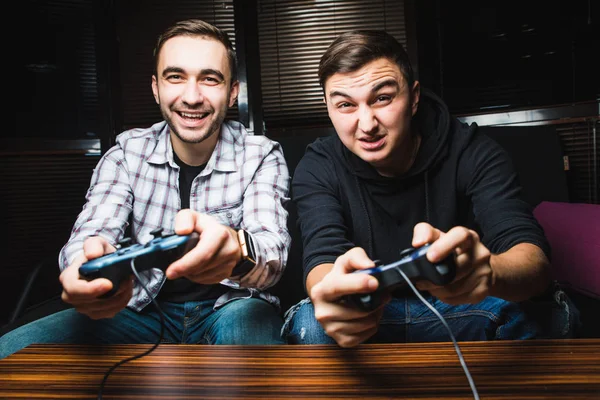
(244, 185)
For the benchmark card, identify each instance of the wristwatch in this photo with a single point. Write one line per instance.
(248, 256)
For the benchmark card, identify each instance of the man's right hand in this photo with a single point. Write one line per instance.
(346, 324)
(84, 295)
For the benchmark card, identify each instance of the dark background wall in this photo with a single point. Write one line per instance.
(82, 75)
(492, 55)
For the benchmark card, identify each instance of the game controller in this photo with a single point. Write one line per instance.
(415, 266)
(159, 252)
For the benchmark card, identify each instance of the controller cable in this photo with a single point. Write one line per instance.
(162, 329)
(437, 314)
(162, 325)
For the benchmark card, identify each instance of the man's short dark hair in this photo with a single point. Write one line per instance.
(197, 27)
(353, 50)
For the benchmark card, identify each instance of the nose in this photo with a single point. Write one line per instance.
(192, 93)
(367, 121)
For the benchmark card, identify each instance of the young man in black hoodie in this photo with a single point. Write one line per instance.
(402, 172)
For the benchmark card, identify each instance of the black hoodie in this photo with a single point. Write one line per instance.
(459, 178)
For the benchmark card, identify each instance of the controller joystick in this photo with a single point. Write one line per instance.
(125, 242)
(157, 233)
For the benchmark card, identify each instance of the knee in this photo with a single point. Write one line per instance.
(301, 327)
(10, 343)
(551, 317)
(20, 338)
(503, 320)
(252, 311)
(492, 318)
(248, 321)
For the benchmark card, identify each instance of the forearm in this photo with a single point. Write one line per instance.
(265, 219)
(107, 208)
(271, 252)
(316, 275)
(520, 273)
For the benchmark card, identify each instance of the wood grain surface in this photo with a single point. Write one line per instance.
(540, 369)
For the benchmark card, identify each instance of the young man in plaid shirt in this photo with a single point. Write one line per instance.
(191, 172)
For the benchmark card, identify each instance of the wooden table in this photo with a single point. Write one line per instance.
(541, 369)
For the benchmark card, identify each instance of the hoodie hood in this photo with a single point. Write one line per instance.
(432, 122)
(459, 178)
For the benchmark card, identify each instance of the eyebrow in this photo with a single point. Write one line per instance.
(213, 72)
(338, 93)
(208, 71)
(170, 70)
(387, 83)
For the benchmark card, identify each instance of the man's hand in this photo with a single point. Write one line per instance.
(346, 324)
(474, 275)
(214, 257)
(83, 295)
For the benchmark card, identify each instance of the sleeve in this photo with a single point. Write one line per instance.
(323, 228)
(265, 219)
(486, 172)
(108, 204)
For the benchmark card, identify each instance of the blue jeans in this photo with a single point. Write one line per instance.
(408, 320)
(240, 321)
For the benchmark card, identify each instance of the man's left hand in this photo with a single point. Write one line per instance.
(214, 257)
(474, 275)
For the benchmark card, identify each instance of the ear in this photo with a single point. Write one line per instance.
(155, 89)
(233, 93)
(415, 92)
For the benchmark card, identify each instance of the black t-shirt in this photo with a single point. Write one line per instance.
(182, 290)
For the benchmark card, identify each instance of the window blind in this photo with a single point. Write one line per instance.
(293, 35)
(581, 144)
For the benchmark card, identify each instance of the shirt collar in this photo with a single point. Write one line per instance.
(223, 158)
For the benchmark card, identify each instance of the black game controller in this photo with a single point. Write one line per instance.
(415, 266)
(159, 252)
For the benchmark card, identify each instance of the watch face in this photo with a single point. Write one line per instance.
(249, 247)
(248, 260)
(246, 245)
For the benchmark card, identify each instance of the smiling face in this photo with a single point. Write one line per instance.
(371, 110)
(194, 90)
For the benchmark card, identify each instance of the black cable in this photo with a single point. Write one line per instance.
(162, 329)
(162, 325)
(458, 352)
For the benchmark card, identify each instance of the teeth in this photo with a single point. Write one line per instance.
(371, 139)
(188, 115)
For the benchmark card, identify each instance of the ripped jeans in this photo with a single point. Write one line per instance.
(406, 319)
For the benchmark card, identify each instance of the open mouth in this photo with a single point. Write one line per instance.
(372, 142)
(371, 139)
(192, 116)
